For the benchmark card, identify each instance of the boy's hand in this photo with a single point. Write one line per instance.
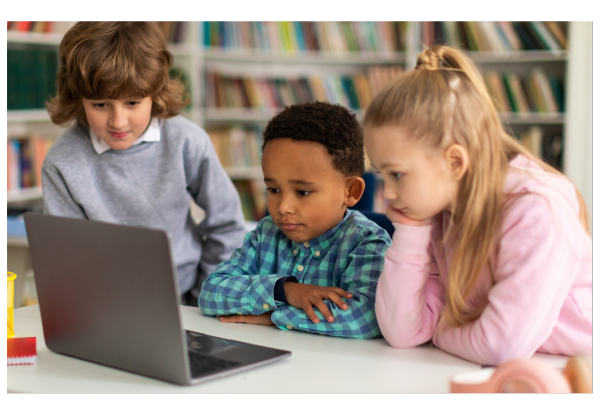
(263, 319)
(399, 218)
(306, 296)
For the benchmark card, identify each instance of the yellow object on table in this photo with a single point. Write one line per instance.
(10, 303)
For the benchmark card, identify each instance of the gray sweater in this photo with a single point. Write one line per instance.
(151, 184)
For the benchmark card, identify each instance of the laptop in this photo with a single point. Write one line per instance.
(109, 294)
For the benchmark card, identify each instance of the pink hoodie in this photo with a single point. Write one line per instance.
(539, 286)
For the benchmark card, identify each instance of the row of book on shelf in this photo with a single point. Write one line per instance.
(31, 26)
(496, 36)
(306, 36)
(533, 93)
(340, 37)
(237, 146)
(352, 91)
(31, 76)
(25, 158)
(174, 31)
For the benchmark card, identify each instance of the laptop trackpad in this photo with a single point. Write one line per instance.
(204, 354)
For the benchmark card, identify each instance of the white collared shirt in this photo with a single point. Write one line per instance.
(152, 134)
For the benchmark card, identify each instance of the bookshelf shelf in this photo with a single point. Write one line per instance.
(17, 241)
(180, 50)
(20, 195)
(304, 57)
(533, 118)
(17, 116)
(244, 172)
(237, 115)
(34, 38)
(518, 56)
(248, 115)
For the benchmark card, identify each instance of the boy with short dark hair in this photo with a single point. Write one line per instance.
(311, 251)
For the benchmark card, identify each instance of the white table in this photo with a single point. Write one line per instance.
(319, 364)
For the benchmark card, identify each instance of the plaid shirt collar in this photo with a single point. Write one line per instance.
(321, 244)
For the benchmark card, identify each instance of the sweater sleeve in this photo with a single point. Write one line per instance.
(57, 198)
(222, 230)
(409, 293)
(535, 269)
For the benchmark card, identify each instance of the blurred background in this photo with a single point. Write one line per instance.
(239, 74)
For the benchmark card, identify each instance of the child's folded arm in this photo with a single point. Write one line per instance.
(409, 292)
(536, 267)
(235, 287)
(360, 279)
(57, 199)
(358, 321)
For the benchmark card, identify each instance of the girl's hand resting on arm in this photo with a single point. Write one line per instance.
(399, 218)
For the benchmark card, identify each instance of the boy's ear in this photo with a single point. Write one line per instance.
(355, 187)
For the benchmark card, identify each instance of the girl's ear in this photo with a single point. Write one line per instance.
(457, 161)
(355, 186)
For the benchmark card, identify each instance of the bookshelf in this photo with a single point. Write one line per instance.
(243, 59)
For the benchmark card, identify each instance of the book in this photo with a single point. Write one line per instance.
(528, 42)
(509, 94)
(21, 351)
(489, 31)
(552, 148)
(31, 77)
(24, 161)
(15, 167)
(535, 93)
(545, 35)
(291, 37)
(450, 34)
(532, 140)
(516, 88)
(545, 89)
(496, 90)
(557, 33)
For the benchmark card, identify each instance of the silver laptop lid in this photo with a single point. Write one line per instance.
(106, 296)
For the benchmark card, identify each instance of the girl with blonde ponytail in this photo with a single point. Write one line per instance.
(491, 256)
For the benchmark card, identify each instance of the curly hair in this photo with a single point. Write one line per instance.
(333, 126)
(113, 60)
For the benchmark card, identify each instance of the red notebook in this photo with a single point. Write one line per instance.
(21, 351)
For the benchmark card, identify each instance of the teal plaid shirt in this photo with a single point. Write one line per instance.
(349, 256)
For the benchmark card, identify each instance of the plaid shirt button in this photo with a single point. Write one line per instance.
(240, 313)
(317, 253)
(300, 268)
(289, 326)
(266, 306)
(306, 244)
(295, 251)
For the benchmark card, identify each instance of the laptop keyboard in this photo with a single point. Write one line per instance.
(204, 365)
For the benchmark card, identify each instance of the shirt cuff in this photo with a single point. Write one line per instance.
(279, 291)
(411, 240)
